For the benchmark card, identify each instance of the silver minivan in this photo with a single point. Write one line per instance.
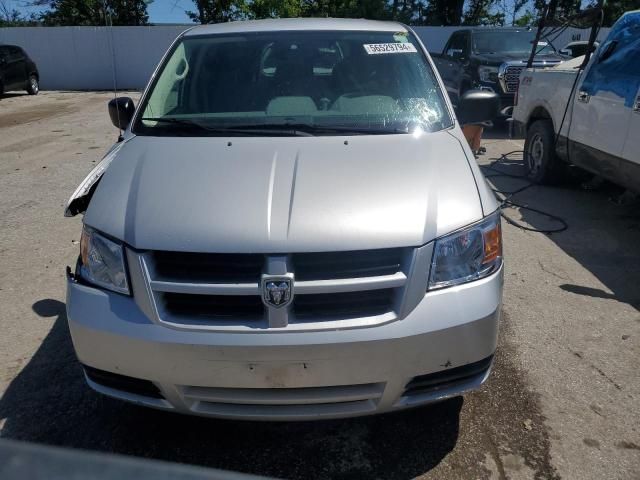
(291, 226)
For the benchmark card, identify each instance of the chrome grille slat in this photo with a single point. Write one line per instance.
(302, 287)
(509, 73)
(206, 288)
(512, 77)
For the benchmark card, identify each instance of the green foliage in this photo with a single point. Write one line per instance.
(480, 12)
(274, 9)
(95, 12)
(443, 12)
(613, 10)
(529, 18)
(217, 11)
(10, 17)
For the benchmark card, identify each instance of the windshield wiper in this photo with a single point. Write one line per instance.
(324, 129)
(288, 129)
(252, 129)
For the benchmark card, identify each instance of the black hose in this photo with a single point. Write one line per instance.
(504, 197)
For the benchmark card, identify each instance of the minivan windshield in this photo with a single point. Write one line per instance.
(294, 83)
(509, 41)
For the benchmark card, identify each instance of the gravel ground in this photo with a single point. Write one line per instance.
(561, 403)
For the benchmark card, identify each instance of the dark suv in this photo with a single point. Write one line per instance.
(17, 71)
(491, 59)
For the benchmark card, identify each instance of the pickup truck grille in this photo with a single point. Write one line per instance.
(223, 291)
(511, 78)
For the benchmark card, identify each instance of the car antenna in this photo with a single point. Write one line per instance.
(593, 15)
(108, 21)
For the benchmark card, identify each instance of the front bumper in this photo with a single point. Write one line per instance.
(271, 375)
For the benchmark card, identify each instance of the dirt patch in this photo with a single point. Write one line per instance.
(26, 144)
(34, 114)
(503, 422)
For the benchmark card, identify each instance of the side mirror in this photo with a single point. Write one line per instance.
(565, 51)
(121, 110)
(477, 106)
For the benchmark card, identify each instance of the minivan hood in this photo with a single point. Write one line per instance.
(285, 194)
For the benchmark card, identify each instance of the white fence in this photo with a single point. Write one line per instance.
(86, 58)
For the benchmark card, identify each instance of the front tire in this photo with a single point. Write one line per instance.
(33, 87)
(540, 159)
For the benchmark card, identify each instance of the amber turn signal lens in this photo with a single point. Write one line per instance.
(492, 244)
(84, 247)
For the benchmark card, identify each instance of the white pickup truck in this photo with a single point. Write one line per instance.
(598, 127)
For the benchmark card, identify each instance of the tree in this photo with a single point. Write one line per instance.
(479, 12)
(217, 11)
(10, 17)
(528, 19)
(510, 9)
(94, 12)
(613, 9)
(444, 12)
(274, 9)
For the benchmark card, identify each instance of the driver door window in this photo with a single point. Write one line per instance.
(457, 46)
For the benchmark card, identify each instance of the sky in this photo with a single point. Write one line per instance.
(160, 11)
(170, 11)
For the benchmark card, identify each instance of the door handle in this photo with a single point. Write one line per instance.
(584, 97)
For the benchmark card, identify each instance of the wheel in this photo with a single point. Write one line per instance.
(540, 159)
(32, 87)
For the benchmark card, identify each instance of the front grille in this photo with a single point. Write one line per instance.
(511, 78)
(211, 267)
(224, 290)
(343, 305)
(221, 307)
(354, 264)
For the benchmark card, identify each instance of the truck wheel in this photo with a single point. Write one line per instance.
(540, 159)
(32, 87)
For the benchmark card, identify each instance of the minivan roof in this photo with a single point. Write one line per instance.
(280, 24)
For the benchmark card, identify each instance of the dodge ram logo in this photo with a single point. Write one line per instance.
(276, 292)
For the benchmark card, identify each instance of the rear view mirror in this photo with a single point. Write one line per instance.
(121, 111)
(477, 106)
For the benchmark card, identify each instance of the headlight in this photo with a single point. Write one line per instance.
(468, 254)
(488, 74)
(102, 261)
